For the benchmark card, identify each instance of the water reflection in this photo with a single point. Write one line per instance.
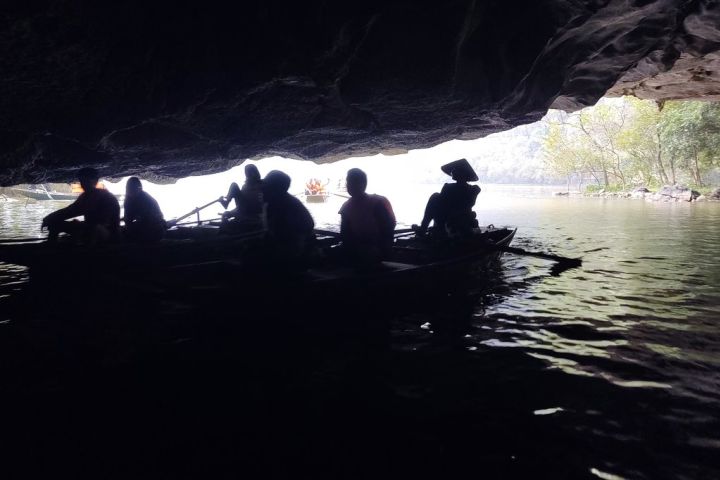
(618, 359)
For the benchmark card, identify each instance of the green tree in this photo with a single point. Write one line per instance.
(586, 143)
(690, 132)
(620, 142)
(560, 158)
(641, 142)
(602, 126)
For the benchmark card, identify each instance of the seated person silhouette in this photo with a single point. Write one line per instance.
(451, 209)
(144, 222)
(249, 203)
(367, 222)
(99, 207)
(290, 225)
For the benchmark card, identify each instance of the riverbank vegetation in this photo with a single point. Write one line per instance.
(623, 143)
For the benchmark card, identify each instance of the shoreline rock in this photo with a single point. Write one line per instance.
(668, 193)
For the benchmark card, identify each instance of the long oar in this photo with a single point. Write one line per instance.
(46, 191)
(194, 222)
(327, 233)
(330, 233)
(22, 240)
(194, 211)
(403, 232)
(566, 261)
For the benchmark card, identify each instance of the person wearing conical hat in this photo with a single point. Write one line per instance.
(451, 209)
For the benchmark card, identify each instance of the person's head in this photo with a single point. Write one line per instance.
(356, 182)
(252, 174)
(133, 186)
(275, 184)
(460, 171)
(88, 178)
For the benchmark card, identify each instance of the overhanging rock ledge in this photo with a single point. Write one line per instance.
(177, 88)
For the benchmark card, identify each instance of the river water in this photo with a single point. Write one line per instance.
(611, 370)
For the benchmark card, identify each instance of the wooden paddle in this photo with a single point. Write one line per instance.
(330, 233)
(194, 222)
(22, 240)
(327, 233)
(566, 261)
(196, 210)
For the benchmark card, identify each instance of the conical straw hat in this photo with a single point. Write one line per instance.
(460, 170)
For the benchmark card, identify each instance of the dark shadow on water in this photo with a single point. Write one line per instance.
(127, 383)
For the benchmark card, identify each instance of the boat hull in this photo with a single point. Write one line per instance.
(208, 271)
(317, 198)
(379, 288)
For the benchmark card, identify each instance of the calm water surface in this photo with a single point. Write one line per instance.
(611, 370)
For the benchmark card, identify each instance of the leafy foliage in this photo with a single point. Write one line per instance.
(626, 142)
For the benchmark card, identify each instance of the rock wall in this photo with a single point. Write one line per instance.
(167, 89)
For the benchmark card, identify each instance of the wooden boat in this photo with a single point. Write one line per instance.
(201, 256)
(417, 265)
(42, 193)
(208, 275)
(316, 191)
(316, 197)
(203, 244)
(417, 270)
(186, 242)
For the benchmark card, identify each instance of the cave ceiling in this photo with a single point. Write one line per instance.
(173, 88)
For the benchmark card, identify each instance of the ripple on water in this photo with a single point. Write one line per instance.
(622, 353)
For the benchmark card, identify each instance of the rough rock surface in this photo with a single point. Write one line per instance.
(169, 88)
(674, 193)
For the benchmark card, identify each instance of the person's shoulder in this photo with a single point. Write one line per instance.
(294, 202)
(102, 192)
(344, 207)
(147, 197)
(110, 198)
(379, 199)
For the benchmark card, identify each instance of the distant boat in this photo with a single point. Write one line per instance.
(315, 191)
(41, 192)
(316, 197)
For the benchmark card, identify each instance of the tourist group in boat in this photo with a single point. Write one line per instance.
(367, 221)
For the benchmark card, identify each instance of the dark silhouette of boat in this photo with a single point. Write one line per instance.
(203, 249)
